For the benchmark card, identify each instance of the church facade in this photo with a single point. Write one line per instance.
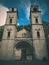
(23, 42)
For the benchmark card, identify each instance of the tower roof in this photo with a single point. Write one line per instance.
(12, 10)
(34, 8)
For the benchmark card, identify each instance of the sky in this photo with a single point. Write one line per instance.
(23, 7)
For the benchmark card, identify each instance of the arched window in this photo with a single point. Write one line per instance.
(10, 21)
(36, 20)
(8, 34)
(38, 34)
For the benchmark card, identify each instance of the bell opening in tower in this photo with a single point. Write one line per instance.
(35, 9)
(12, 9)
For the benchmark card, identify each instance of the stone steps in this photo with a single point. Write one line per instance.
(24, 62)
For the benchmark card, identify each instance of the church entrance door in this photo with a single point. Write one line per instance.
(23, 54)
(26, 49)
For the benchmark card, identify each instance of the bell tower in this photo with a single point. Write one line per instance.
(38, 36)
(9, 33)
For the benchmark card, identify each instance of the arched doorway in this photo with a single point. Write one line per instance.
(26, 49)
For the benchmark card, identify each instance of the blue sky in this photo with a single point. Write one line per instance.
(24, 9)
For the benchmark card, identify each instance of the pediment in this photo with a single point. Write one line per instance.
(23, 30)
(23, 33)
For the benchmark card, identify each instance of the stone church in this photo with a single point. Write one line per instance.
(24, 42)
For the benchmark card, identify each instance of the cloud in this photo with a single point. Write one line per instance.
(24, 11)
(26, 6)
(42, 7)
(28, 12)
(3, 14)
